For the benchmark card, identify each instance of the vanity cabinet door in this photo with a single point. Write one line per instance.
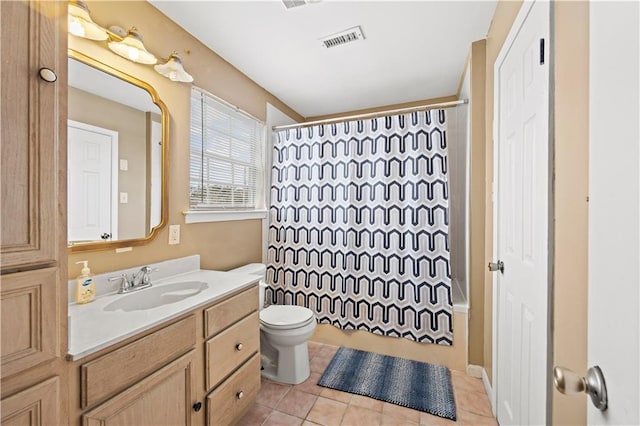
(33, 132)
(164, 398)
(35, 406)
(30, 326)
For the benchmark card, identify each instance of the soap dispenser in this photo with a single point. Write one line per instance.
(85, 287)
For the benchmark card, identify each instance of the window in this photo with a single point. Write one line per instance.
(226, 166)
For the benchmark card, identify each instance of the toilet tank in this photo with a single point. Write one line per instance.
(255, 269)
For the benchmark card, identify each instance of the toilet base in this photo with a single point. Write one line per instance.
(292, 364)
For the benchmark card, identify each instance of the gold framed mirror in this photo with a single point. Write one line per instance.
(118, 146)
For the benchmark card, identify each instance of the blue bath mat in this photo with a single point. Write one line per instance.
(418, 385)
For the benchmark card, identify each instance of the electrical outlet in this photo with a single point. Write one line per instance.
(124, 165)
(124, 197)
(174, 234)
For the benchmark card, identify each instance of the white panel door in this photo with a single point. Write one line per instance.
(156, 175)
(521, 223)
(92, 182)
(614, 208)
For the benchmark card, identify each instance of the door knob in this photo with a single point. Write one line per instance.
(496, 266)
(568, 382)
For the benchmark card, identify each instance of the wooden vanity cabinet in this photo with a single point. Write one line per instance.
(33, 240)
(176, 373)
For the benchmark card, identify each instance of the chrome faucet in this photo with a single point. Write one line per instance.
(142, 277)
(138, 281)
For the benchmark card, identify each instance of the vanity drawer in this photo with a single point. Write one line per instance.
(123, 367)
(222, 315)
(234, 396)
(229, 349)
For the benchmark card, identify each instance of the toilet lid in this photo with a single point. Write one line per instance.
(285, 315)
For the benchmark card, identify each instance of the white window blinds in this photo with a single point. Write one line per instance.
(225, 163)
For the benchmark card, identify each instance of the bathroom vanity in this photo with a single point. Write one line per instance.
(185, 351)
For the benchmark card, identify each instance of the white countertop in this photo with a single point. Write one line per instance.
(96, 325)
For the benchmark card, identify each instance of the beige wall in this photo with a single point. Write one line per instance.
(222, 245)
(386, 107)
(571, 189)
(130, 124)
(477, 68)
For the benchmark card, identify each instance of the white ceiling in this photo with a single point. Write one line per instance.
(413, 50)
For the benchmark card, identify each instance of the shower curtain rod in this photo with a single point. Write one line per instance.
(374, 114)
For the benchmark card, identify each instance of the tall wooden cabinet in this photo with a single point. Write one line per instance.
(33, 262)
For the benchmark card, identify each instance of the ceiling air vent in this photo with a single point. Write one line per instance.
(343, 37)
(289, 4)
(293, 3)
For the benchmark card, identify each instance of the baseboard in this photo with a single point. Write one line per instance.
(474, 371)
(489, 390)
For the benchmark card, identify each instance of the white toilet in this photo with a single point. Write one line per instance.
(284, 331)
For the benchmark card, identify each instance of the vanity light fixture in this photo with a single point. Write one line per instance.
(128, 44)
(131, 47)
(81, 24)
(173, 69)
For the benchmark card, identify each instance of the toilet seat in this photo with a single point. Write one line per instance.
(286, 317)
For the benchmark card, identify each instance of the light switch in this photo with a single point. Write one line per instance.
(174, 234)
(124, 165)
(124, 197)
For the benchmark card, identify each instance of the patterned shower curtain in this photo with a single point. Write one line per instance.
(359, 225)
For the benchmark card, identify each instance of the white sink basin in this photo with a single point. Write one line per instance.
(156, 296)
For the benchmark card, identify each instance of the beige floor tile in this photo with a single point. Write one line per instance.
(360, 416)
(394, 421)
(255, 416)
(431, 420)
(336, 394)
(473, 402)
(296, 403)
(328, 351)
(271, 393)
(308, 423)
(310, 385)
(467, 383)
(327, 412)
(319, 363)
(466, 418)
(281, 419)
(366, 402)
(400, 412)
(313, 348)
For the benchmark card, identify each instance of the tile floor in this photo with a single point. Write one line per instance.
(308, 404)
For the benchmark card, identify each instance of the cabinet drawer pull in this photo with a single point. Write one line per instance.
(240, 395)
(197, 406)
(239, 347)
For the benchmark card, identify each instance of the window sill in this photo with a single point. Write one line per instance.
(196, 216)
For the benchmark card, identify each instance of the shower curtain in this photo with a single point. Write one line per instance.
(359, 225)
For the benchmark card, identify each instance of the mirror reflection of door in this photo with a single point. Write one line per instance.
(99, 99)
(92, 182)
(155, 181)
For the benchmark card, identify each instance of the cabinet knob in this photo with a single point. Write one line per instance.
(239, 347)
(48, 75)
(197, 406)
(240, 395)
